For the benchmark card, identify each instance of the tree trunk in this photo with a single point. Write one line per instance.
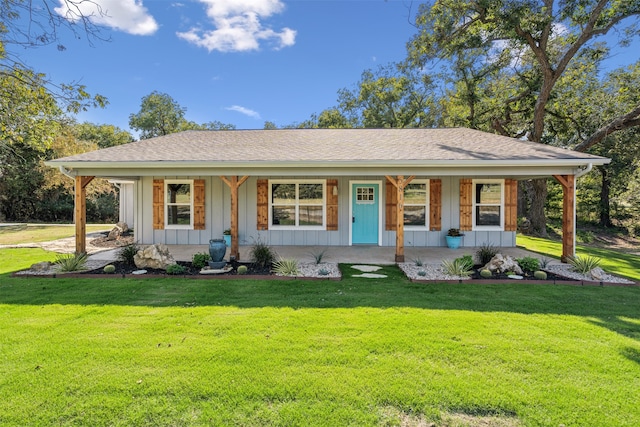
(605, 207)
(537, 215)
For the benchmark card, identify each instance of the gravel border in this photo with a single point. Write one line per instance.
(565, 270)
(427, 272)
(314, 270)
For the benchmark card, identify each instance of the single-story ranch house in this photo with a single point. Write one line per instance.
(386, 187)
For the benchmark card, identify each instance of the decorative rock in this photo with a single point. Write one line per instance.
(501, 264)
(208, 270)
(370, 275)
(41, 266)
(154, 256)
(515, 276)
(138, 272)
(597, 273)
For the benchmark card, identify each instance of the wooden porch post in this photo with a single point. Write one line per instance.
(80, 212)
(568, 215)
(400, 183)
(234, 183)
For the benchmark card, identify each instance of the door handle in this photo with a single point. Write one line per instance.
(353, 219)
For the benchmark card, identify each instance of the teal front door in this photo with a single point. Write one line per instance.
(365, 212)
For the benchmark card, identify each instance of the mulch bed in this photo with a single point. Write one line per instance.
(502, 276)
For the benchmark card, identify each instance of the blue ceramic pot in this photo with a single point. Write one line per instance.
(217, 249)
(453, 242)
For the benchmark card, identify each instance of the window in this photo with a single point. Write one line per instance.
(488, 202)
(416, 204)
(179, 204)
(297, 204)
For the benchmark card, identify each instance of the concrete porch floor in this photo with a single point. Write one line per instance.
(341, 254)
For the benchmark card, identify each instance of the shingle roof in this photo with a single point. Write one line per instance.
(328, 145)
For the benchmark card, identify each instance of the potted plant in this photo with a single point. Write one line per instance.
(454, 237)
(226, 235)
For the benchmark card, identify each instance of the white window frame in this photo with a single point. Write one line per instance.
(426, 205)
(297, 226)
(476, 227)
(168, 226)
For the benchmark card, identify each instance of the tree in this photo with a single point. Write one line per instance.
(549, 33)
(161, 115)
(102, 135)
(391, 97)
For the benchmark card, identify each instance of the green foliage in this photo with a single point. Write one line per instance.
(71, 262)
(318, 255)
(584, 264)
(461, 267)
(200, 259)
(486, 273)
(418, 262)
(485, 253)
(540, 275)
(528, 263)
(262, 254)
(176, 269)
(242, 269)
(286, 267)
(109, 269)
(127, 253)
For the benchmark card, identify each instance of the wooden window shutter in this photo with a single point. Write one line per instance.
(466, 204)
(158, 204)
(199, 216)
(510, 205)
(263, 204)
(391, 201)
(435, 204)
(332, 205)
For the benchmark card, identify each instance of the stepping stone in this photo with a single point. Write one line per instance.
(139, 272)
(366, 268)
(370, 275)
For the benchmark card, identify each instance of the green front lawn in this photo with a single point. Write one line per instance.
(363, 352)
(30, 233)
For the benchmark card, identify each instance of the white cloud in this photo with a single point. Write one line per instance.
(238, 26)
(129, 16)
(245, 111)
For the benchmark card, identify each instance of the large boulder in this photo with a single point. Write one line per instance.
(502, 264)
(154, 256)
(118, 231)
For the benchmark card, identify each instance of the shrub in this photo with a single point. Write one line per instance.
(485, 253)
(109, 269)
(418, 262)
(462, 267)
(286, 267)
(529, 263)
(71, 262)
(318, 255)
(176, 269)
(540, 275)
(127, 253)
(200, 260)
(584, 264)
(261, 254)
(422, 273)
(486, 273)
(544, 262)
(242, 269)
(323, 272)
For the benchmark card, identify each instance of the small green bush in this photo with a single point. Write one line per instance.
(540, 275)
(286, 267)
(200, 260)
(323, 272)
(71, 262)
(529, 263)
(485, 253)
(242, 269)
(422, 273)
(176, 269)
(486, 273)
(418, 262)
(109, 269)
(584, 264)
(462, 267)
(127, 253)
(261, 254)
(318, 255)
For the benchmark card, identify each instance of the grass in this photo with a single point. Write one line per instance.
(616, 262)
(35, 233)
(386, 352)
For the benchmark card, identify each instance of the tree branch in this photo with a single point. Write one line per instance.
(627, 121)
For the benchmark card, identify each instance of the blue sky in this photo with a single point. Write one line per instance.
(282, 66)
(242, 62)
